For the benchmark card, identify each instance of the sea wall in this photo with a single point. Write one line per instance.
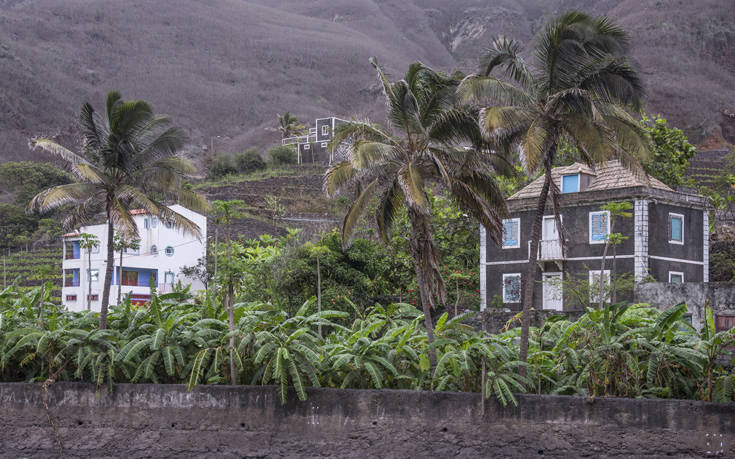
(222, 421)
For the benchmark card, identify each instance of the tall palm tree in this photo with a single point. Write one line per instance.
(288, 125)
(395, 165)
(579, 90)
(128, 160)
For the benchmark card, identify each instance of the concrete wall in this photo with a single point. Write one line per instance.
(221, 421)
(719, 296)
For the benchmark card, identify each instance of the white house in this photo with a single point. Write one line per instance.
(164, 250)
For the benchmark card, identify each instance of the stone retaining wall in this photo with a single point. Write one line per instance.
(223, 421)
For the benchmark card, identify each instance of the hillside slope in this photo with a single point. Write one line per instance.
(224, 68)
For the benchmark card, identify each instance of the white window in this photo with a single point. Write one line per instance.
(676, 277)
(511, 236)
(599, 226)
(131, 251)
(168, 277)
(570, 183)
(512, 288)
(154, 222)
(676, 229)
(169, 251)
(93, 275)
(307, 146)
(325, 130)
(324, 144)
(595, 286)
(154, 249)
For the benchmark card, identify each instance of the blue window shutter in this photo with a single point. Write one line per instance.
(599, 226)
(676, 229)
(510, 233)
(570, 183)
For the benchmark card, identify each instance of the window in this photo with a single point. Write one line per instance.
(146, 223)
(676, 277)
(131, 251)
(595, 286)
(511, 238)
(570, 183)
(94, 249)
(71, 277)
(512, 288)
(307, 146)
(168, 277)
(72, 250)
(129, 277)
(169, 224)
(154, 249)
(93, 297)
(154, 222)
(71, 297)
(169, 251)
(325, 130)
(676, 229)
(93, 275)
(724, 322)
(599, 226)
(324, 144)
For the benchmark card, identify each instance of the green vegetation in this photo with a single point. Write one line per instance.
(579, 93)
(220, 166)
(671, 151)
(28, 269)
(625, 351)
(282, 154)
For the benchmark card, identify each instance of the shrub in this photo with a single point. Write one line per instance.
(221, 166)
(282, 154)
(249, 160)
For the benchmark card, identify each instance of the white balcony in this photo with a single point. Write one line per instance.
(548, 250)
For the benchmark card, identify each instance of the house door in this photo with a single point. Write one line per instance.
(553, 292)
(550, 246)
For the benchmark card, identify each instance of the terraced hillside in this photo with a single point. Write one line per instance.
(33, 267)
(707, 165)
(290, 196)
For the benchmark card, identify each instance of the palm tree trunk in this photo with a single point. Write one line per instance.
(530, 280)
(119, 277)
(422, 249)
(108, 273)
(602, 269)
(612, 275)
(89, 278)
(318, 292)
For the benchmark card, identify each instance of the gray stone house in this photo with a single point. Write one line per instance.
(312, 148)
(667, 238)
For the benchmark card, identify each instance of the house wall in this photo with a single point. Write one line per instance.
(664, 256)
(581, 255)
(160, 420)
(187, 250)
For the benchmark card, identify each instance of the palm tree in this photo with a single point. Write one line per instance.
(87, 242)
(395, 165)
(578, 92)
(128, 160)
(120, 244)
(288, 125)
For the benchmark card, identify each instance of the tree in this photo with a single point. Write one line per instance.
(579, 92)
(614, 211)
(120, 244)
(671, 151)
(227, 211)
(128, 160)
(288, 125)
(87, 242)
(395, 165)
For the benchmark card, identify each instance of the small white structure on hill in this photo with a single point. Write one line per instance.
(163, 251)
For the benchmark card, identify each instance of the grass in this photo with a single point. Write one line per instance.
(270, 172)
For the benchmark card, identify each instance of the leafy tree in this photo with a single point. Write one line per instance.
(221, 166)
(249, 160)
(25, 179)
(395, 165)
(282, 154)
(129, 159)
(671, 151)
(578, 92)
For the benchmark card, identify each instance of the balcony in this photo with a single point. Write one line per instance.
(549, 250)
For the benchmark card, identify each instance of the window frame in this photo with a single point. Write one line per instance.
(307, 146)
(166, 251)
(71, 297)
(589, 226)
(131, 251)
(154, 250)
(325, 129)
(520, 287)
(90, 279)
(516, 221)
(672, 216)
(591, 273)
(676, 273)
(579, 180)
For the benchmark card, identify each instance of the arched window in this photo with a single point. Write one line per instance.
(169, 251)
(154, 250)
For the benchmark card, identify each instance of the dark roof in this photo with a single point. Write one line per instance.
(606, 176)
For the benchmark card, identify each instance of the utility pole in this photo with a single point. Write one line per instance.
(5, 274)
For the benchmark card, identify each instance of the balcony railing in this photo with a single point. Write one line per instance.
(548, 250)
